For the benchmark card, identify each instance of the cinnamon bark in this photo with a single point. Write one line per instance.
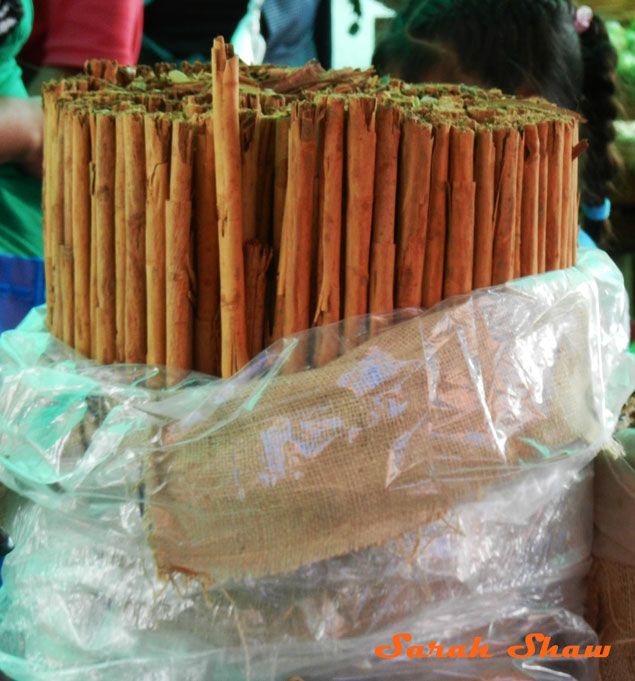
(229, 202)
(459, 261)
(543, 188)
(81, 231)
(383, 248)
(566, 207)
(294, 286)
(207, 323)
(50, 93)
(520, 170)
(330, 228)
(249, 123)
(120, 240)
(257, 259)
(92, 169)
(179, 270)
(135, 205)
(575, 194)
(506, 143)
(484, 164)
(437, 218)
(412, 211)
(105, 237)
(56, 223)
(265, 154)
(158, 137)
(553, 249)
(530, 197)
(360, 178)
(281, 163)
(68, 287)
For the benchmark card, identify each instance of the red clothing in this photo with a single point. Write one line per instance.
(68, 32)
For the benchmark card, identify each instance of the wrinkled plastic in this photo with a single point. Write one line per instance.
(507, 557)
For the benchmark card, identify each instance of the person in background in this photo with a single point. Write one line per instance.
(68, 32)
(287, 32)
(20, 140)
(549, 48)
(65, 34)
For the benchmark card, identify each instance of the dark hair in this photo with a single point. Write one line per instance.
(521, 47)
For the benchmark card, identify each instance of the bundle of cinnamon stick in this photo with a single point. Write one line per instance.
(194, 215)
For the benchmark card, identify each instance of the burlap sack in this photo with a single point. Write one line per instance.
(612, 614)
(298, 468)
(611, 609)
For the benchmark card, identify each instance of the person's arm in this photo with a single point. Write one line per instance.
(21, 133)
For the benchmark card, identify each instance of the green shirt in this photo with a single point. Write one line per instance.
(20, 194)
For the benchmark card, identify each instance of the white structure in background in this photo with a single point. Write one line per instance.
(355, 50)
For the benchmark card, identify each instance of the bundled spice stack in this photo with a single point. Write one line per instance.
(194, 215)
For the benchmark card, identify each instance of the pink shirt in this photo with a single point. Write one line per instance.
(68, 32)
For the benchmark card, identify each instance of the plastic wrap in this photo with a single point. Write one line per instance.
(474, 518)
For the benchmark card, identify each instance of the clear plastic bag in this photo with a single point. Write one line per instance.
(433, 479)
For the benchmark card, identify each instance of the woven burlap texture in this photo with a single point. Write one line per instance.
(378, 442)
(611, 609)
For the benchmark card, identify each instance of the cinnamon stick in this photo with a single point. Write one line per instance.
(281, 161)
(484, 164)
(265, 153)
(56, 222)
(179, 270)
(65, 260)
(412, 211)
(575, 194)
(257, 259)
(207, 323)
(437, 217)
(92, 169)
(277, 328)
(520, 170)
(135, 204)
(383, 248)
(81, 230)
(567, 218)
(298, 219)
(158, 138)
(459, 262)
(553, 249)
(330, 227)
(318, 182)
(529, 208)
(120, 240)
(249, 122)
(280, 177)
(543, 188)
(68, 288)
(105, 237)
(228, 186)
(257, 153)
(360, 181)
(506, 143)
(50, 93)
